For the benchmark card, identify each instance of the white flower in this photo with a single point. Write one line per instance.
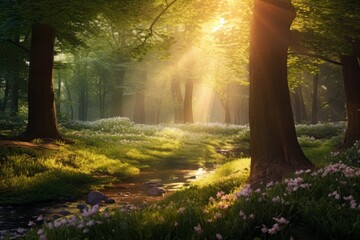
(218, 236)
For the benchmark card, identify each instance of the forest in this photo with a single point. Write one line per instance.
(179, 119)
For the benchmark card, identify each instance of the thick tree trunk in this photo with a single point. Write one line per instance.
(188, 111)
(314, 105)
(351, 74)
(275, 151)
(119, 92)
(177, 100)
(42, 114)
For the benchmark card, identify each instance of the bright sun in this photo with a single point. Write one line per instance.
(219, 24)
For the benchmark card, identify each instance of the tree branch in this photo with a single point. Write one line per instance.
(150, 29)
(316, 56)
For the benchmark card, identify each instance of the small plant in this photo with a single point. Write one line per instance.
(37, 141)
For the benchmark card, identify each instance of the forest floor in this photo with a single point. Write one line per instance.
(319, 204)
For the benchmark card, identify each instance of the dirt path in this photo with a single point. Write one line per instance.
(21, 144)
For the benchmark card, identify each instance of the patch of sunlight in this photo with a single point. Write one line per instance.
(171, 133)
(136, 154)
(239, 167)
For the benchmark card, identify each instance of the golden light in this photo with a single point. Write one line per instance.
(219, 25)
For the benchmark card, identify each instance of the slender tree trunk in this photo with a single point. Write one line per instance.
(188, 111)
(101, 94)
(83, 95)
(299, 106)
(58, 94)
(275, 151)
(351, 74)
(6, 92)
(14, 89)
(139, 111)
(177, 99)
(42, 114)
(225, 104)
(119, 92)
(69, 97)
(314, 106)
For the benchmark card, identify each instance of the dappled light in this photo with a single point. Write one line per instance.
(170, 119)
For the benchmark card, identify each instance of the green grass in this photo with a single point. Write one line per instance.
(323, 204)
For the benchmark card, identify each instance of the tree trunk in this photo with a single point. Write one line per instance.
(83, 95)
(314, 106)
(177, 100)
(275, 151)
(188, 111)
(139, 111)
(6, 91)
(299, 106)
(225, 104)
(42, 114)
(119, 92)
(58, 94)
(101, 93)
(15, 78)
(69, 97)
(351, 74)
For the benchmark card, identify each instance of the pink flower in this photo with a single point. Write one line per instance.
(198, 229)
(181, 210)
(218, 236)
(275, 228)
(264, 229)
(281, 220)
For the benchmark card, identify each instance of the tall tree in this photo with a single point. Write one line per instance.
(275, 151)
(42, 114)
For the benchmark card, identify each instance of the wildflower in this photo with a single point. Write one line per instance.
(57, 223)
(258, 190)
(251, 216)
(176, 224)
(90, 223)
(40, 231)
(270, 184)
(275, 228)
(241, 213)
(264, 229)
(219, 194)
(86, 230)
(218, 215)
(181, 210)
(218, 236)
(43, 237)
(198, 229)
(31, 223)
(40, 218)
(281, 220)
(21, 230)
(211, 199)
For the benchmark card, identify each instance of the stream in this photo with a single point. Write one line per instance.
(133, 192)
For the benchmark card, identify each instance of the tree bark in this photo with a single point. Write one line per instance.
(351, 74)
(314, 105)
(42, 121)
(119, 92)
(139, 111)
(177, 100)
(275, 151)
(225, 104)
(299, 106)
(188, 111)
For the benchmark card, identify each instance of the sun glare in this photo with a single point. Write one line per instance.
(219, 24)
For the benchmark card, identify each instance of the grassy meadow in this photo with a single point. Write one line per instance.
(319, 204)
